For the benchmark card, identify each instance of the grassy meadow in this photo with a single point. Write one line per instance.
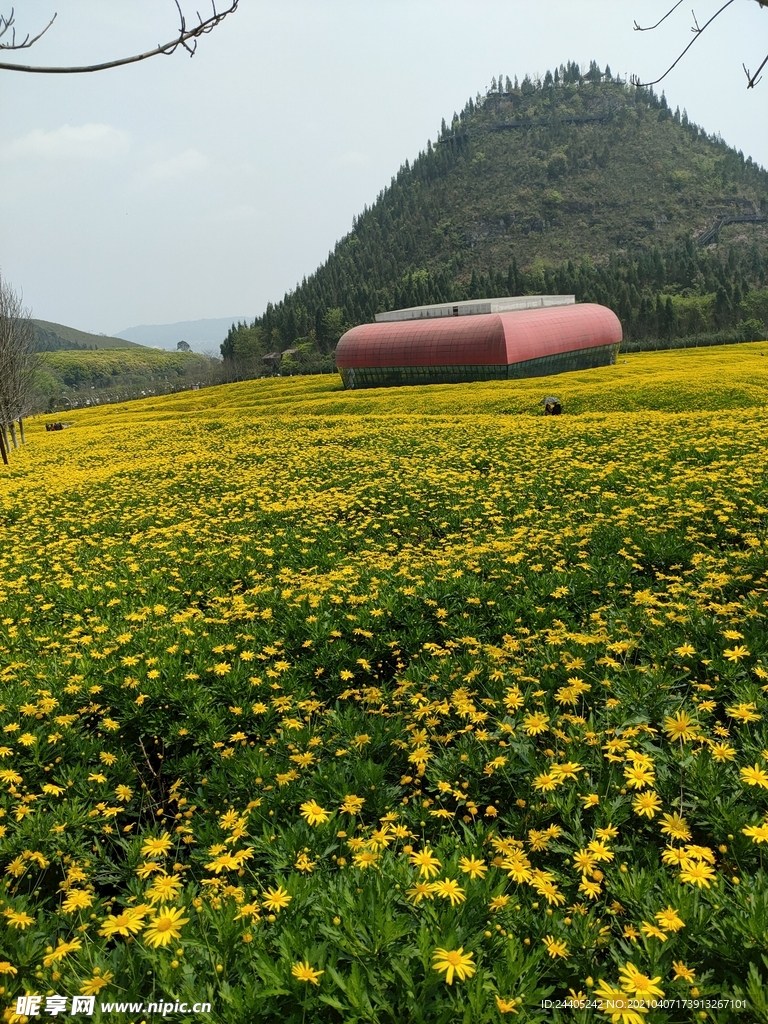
(409, 706)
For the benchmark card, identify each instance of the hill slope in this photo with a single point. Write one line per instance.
(50, 337)
(69, 379)
(568, 184)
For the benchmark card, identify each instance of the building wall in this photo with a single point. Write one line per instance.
(543, 366)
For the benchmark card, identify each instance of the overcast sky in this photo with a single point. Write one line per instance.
(182, 188)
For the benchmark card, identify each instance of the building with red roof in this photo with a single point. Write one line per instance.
(489, 339)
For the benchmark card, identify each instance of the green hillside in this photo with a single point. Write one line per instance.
(568, 184)
(50, 337)
(68, 379)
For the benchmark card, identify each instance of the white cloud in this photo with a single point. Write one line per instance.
(83, 142)
(188, 162)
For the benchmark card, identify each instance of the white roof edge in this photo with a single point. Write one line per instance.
(474, 307)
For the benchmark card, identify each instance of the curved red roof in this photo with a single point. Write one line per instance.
(481, 340)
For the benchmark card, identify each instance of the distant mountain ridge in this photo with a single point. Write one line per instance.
(201, 335)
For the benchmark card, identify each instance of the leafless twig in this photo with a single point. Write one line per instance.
(696, 31)
(7, 22)
(754, 79)
(146, 757)
(187, 39)
(650, 28)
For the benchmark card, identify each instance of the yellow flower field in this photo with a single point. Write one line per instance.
(404, 705)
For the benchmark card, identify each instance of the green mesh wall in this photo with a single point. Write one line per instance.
(544, 366)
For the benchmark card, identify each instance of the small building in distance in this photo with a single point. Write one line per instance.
(479, 339)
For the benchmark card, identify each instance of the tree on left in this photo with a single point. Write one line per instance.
(18, 367)
(186, 38)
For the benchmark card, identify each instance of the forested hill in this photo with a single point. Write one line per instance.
(50, 337)
(567, 184)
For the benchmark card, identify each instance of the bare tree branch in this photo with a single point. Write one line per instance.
(19, 362)
(754, 79)
(187, 39)
(696, 31)
(8, 23)
(650, 28)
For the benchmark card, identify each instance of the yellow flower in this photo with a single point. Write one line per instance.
(449, 889)
(304, 972)
(535, 723)
(52, 790)
(638, 776)
(506, 1005)
(639, 985)
(680, 727)
(164, 926)
(123, 793)
(607, 832)
(545, 782)
(646, 804)
(18, 919)
(94, 985)
(517, 866)
(616, 1004)
(167, 887)
(696, 873)
(736, 653)
(583, 861)
(555, 947)
(473, 867)
(77, 899)
(156, 846)
(722, 752)
(303, 863)
(7, 968)
(669, 919)
(754, 776)
(453, 961)
(590, 888)
(757, 833)
(653, 932)
(674, 825)
(426, 862)
(366, 859)
(61, 950)
(682, 973)
(125, 923)
(313, 813)
(277, 899)
(674, 855)
(146, 869)
(420, 891)
(744, 712)
(685, 650)
(352, 804)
